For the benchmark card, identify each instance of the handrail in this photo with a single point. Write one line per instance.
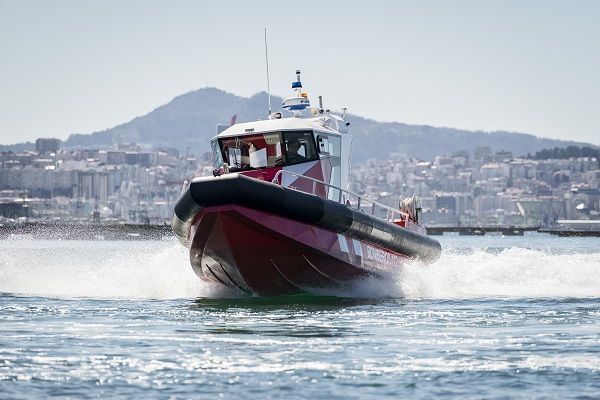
(390, 216)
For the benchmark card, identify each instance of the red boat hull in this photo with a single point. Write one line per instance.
(266, 254)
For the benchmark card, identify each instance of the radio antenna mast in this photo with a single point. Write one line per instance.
(267, 62)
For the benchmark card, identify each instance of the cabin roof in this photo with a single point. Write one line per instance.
(276, 125)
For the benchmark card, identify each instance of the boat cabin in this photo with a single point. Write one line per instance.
(307, 149)
(316, 147)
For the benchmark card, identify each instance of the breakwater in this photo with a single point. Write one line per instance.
(116, 231)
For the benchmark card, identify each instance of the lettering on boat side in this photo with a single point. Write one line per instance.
(382, 257)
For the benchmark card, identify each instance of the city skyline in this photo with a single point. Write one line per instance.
(71, 67)
(140, 185)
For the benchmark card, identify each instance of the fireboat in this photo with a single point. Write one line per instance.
(278, 217)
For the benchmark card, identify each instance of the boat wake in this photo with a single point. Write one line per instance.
(513, 272)
(98, 269)
(160, 270)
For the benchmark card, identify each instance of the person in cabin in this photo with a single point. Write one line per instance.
(293, 152)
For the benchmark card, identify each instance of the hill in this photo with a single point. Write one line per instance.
(189, 121)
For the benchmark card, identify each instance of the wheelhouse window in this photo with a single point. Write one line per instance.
(217, 155)
(252, 151)
(265, 150)
(299, 147)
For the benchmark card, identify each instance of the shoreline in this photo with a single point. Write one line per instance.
(117, 231)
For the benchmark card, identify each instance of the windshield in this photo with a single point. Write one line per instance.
(265, 150)
(252, 151)
(300, 147)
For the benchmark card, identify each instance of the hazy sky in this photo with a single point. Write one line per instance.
(83, 66)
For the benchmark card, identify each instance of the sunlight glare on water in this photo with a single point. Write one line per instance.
(494, 318)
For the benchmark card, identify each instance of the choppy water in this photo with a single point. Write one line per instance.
(494, 318)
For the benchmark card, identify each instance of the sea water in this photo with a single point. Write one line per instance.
(496, 317)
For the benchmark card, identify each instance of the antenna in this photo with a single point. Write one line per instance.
(267, 62)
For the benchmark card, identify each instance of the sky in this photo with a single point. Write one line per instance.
(528, 66)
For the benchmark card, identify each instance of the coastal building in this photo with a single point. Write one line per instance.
(135, 184)
(43, 145)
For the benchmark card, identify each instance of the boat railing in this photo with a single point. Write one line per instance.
(346, 197)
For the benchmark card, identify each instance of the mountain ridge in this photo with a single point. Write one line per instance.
(188, 122)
